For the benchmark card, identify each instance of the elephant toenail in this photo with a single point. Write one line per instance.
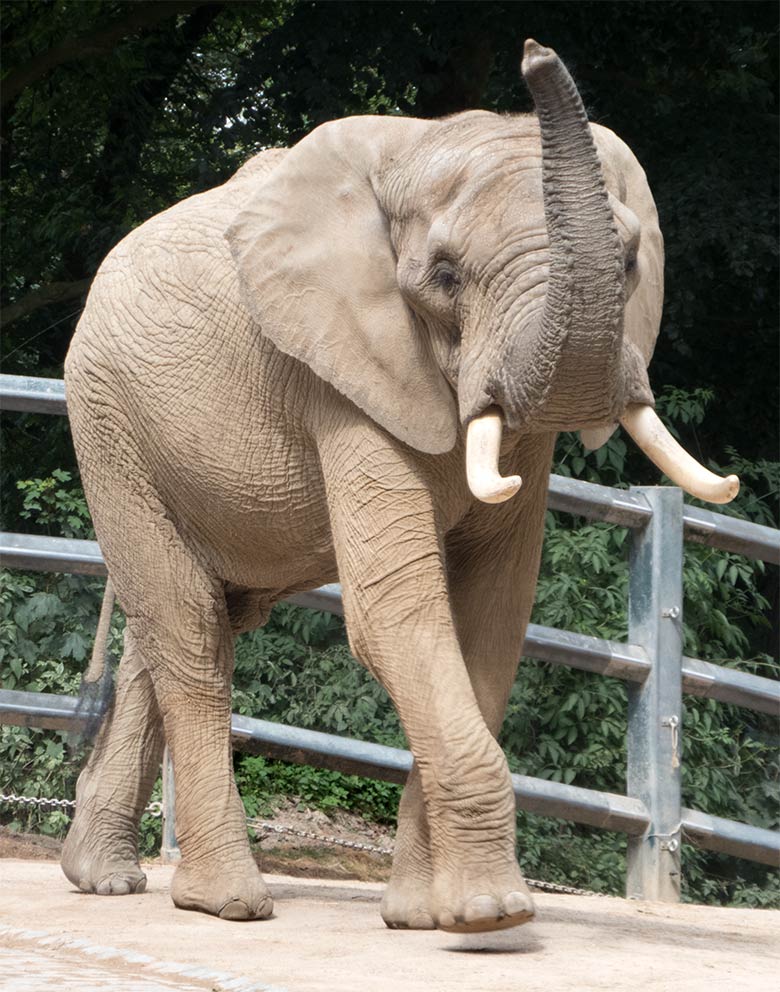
(482, 908)
(518, 902)
(235, 909)
(112, 886)
(446, 920)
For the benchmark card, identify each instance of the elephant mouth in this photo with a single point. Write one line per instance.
(641, 422)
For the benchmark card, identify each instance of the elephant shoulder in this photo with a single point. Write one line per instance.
(198, 221)
(258, 166)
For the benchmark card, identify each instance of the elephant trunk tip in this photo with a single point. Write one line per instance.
(536, 58)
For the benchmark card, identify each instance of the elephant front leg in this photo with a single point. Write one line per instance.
(492, 562)
(401, 626)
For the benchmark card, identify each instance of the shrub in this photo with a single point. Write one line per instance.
(562, 724)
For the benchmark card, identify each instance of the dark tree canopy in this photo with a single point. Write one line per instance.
(113, 110)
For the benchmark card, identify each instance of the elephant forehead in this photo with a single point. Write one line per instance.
(504, 211)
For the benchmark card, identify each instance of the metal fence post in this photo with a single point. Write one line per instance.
(655, 706)
(169, 849)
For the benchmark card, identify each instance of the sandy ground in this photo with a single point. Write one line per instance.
(328, 935)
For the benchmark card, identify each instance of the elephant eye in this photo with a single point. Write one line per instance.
(446, 277)
(631, 263)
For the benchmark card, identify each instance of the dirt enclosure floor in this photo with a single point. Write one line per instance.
(328, 935)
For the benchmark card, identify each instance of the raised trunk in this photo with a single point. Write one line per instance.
(562, 371)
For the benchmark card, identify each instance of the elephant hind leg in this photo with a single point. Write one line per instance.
(101, 850)
(179, 617)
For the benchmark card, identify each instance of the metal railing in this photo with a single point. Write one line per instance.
(652, 665)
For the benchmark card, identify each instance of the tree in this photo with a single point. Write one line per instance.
(114, 110)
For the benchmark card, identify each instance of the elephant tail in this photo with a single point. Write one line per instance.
(97, 683)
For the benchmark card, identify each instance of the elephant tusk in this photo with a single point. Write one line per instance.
(483, 443)
(645, 427)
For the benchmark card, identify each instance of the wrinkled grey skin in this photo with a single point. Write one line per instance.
(283, 405)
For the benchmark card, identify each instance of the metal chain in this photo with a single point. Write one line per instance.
(155, 809)
(354, 845)
(277, 828)
(567, 890)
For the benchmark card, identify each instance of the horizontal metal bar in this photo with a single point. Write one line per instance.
(728, 685)
(560, 647)
(39, 709)
(29, 394)
(624, 507)
(590, 654)
(51, 554)
(310, 747)
(326, 598)
(740, 840)
(585, 499)
(743, 537)
(598, 809)
(606, 810)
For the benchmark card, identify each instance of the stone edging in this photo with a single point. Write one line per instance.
(219, 981)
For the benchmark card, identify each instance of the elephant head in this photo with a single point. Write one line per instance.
(501, 272)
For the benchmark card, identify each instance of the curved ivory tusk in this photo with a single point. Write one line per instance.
(644, 426)
(483, 442)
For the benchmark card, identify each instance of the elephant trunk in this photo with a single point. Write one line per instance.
(562, 368)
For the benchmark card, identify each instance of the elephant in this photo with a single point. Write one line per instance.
(351, 362)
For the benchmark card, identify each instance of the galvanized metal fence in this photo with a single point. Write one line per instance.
(652, 664)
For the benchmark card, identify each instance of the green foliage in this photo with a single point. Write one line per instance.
(563, 725)
(55, 506)
(556, 851)
(47, 624)
(298, 670)
(99, 135)
(262, 783)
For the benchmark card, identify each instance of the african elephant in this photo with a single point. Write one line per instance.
(276, 384)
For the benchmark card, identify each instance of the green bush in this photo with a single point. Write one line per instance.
(262, 783)
(47, 624)
(562, 724)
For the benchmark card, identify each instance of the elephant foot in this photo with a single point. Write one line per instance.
(478, 905)
(105, 867)
(405, 905)
(231, 894)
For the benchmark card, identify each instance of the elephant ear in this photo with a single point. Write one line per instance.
(317, 270)
(626, 181)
